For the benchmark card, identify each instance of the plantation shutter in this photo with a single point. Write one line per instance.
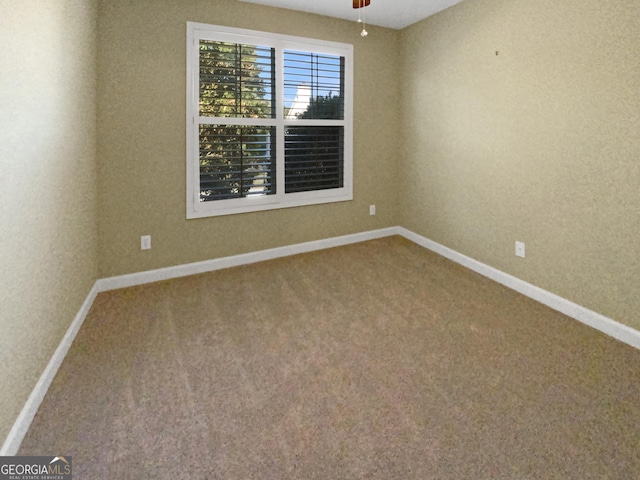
(236, 80)
(269, 121)
(314, 152)
(236, 159)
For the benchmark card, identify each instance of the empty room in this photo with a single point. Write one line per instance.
(320, 240)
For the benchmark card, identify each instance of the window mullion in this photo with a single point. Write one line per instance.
(280, 122)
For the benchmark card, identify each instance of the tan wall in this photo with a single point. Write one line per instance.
(141, 139)
(539, 143)
(48, 252)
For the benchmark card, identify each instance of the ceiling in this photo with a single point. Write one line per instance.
(384, 13)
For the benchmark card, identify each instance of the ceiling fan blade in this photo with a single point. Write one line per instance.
(361, 3)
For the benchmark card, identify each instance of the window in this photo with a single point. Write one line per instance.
(269, 121)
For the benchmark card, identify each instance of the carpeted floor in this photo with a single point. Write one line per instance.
(379, 360)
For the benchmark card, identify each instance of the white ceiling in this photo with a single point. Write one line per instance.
(384, 13)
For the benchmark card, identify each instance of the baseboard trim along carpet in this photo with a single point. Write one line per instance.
(23, 422)
(593, 319)
(123, 281)
(606, 325)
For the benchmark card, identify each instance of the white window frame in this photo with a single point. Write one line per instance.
(280, 199)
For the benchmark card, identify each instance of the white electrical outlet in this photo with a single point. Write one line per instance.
(372, 209)
(519, 249)
(145, 242)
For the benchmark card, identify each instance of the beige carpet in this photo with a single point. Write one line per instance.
(379, 360)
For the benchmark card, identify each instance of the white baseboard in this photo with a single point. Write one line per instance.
(606, 325)
(23, 422)
(123, 281)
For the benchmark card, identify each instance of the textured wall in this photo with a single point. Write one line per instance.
(141, 136)
(48, 253)
(538, 143)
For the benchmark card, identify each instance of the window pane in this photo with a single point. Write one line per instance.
(236, 161)
(313, 85)
(236, 80)
(313, 158)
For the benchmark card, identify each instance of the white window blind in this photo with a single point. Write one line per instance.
(268, 121)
